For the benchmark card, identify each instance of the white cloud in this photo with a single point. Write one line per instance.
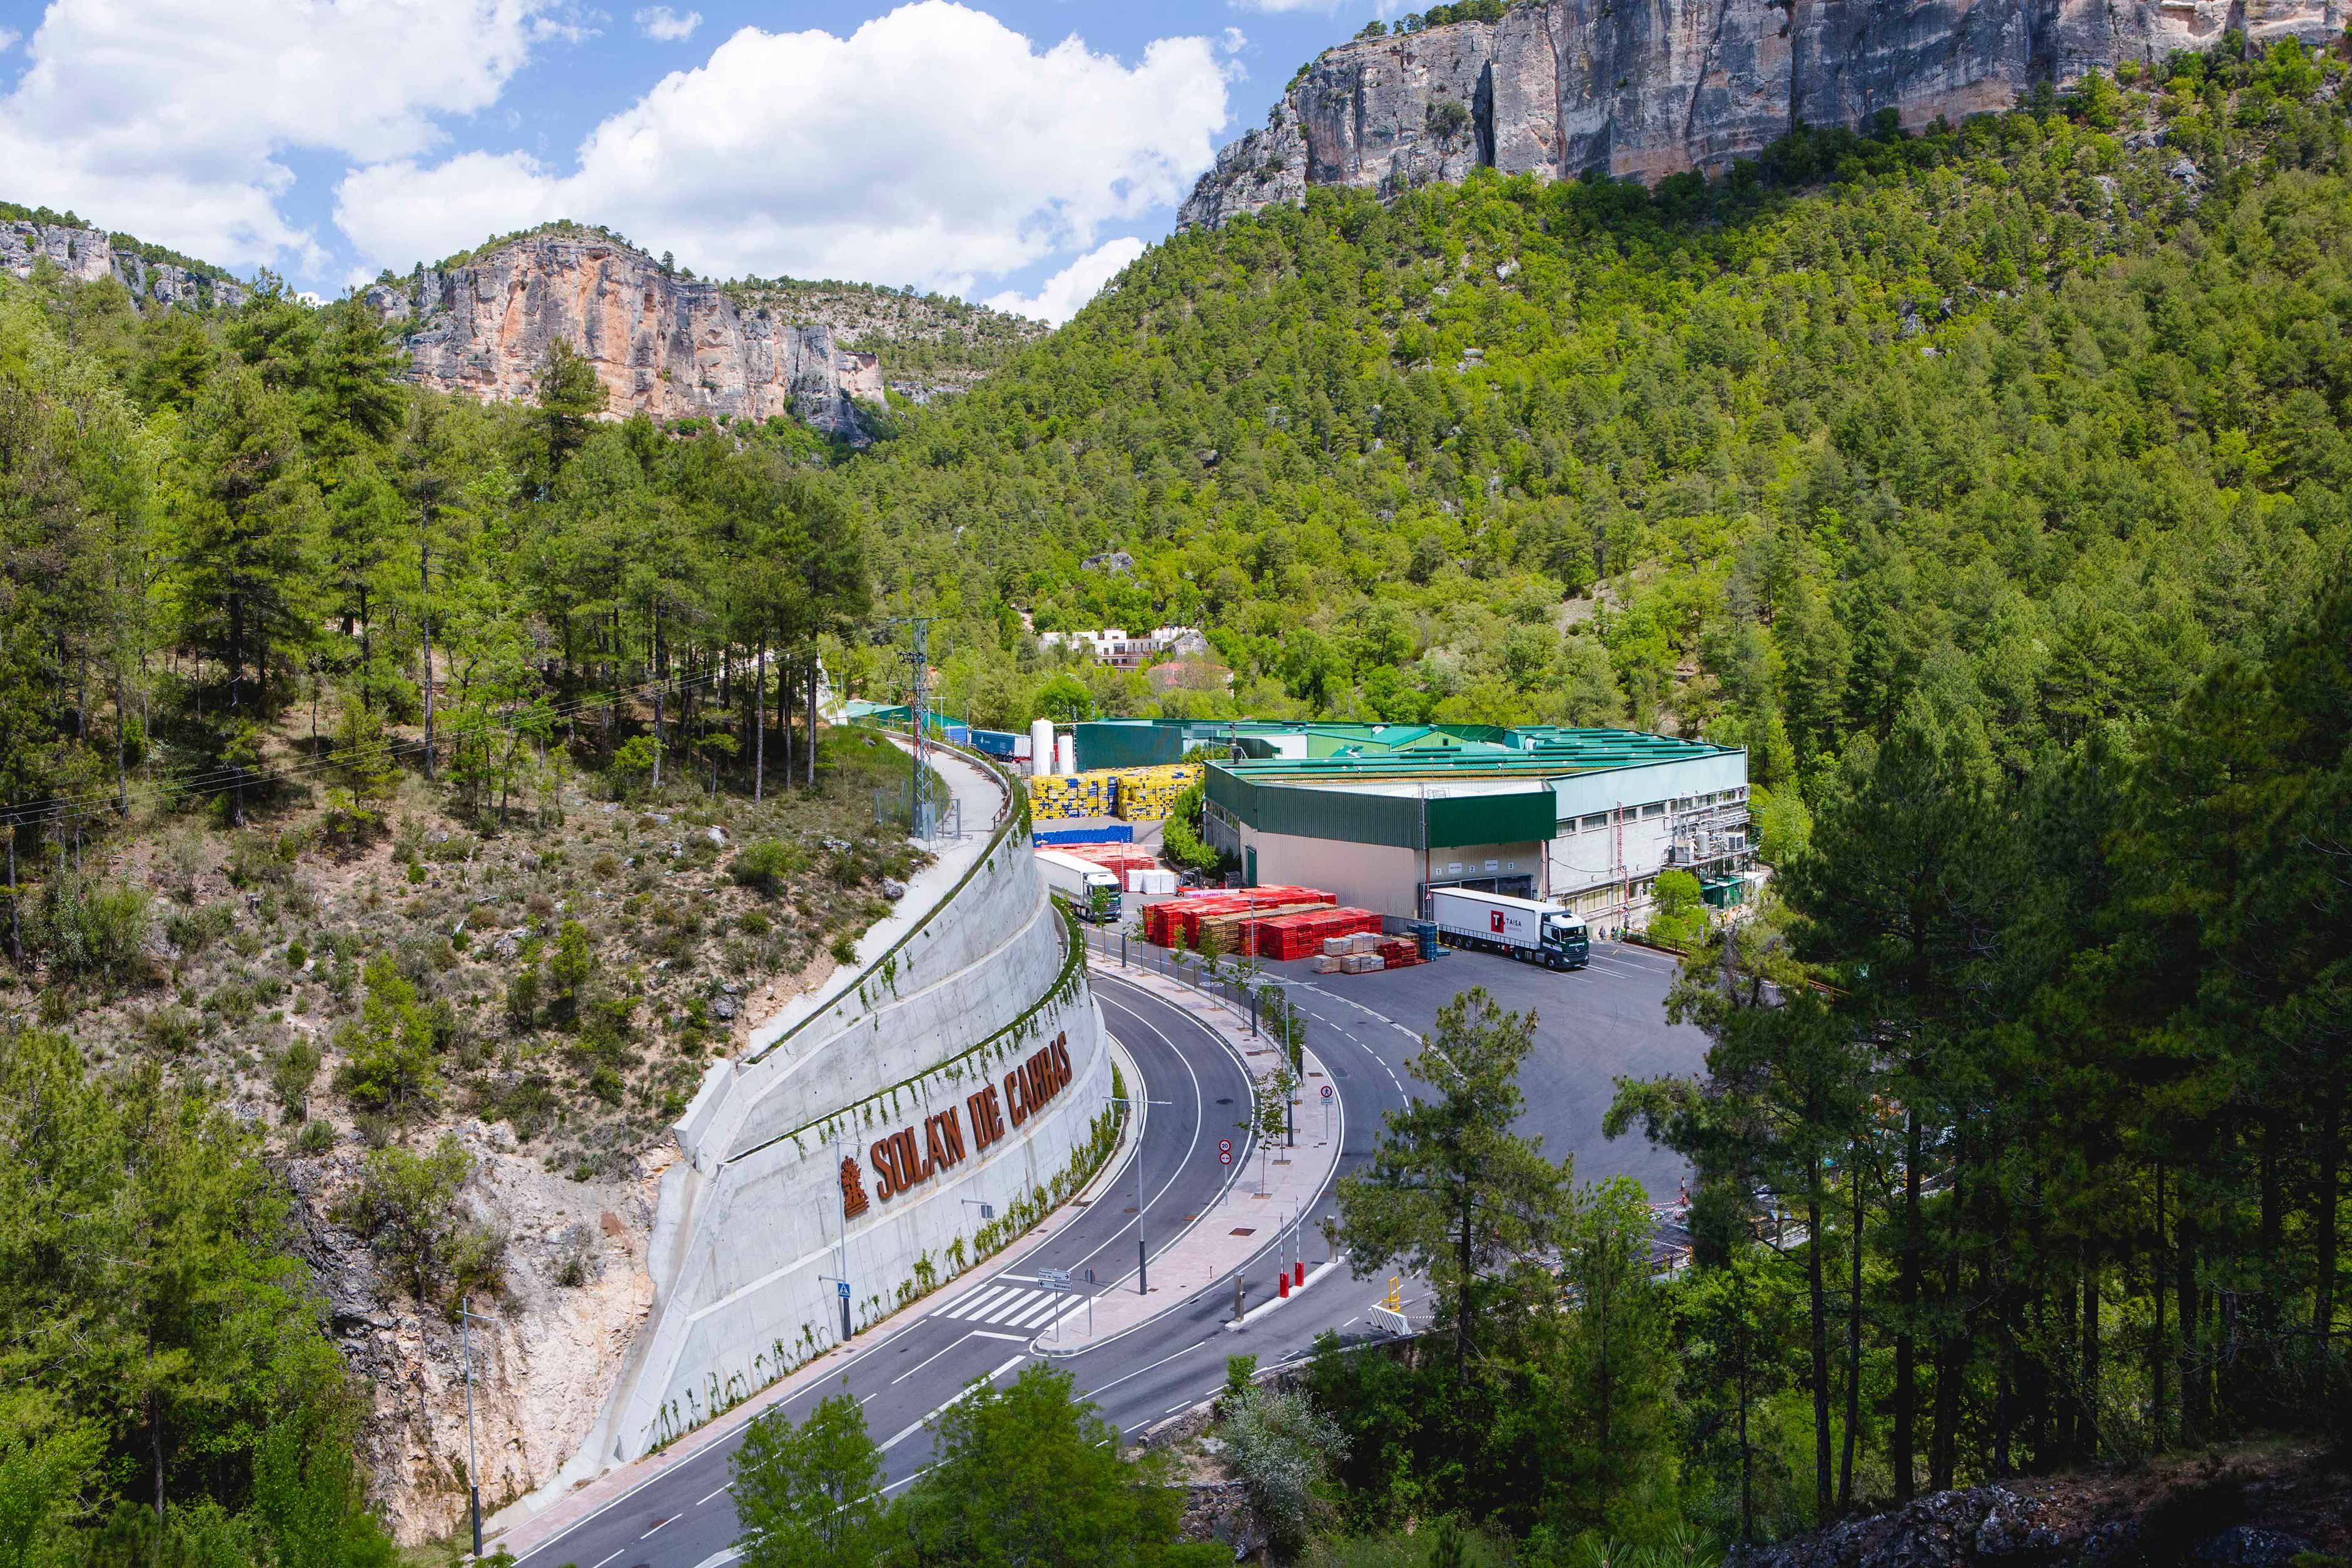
(171, 118)
(664, 26)
(8, 37)
(1076, 284)
(933, 144)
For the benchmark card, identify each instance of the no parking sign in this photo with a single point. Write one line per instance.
(1224, 1151)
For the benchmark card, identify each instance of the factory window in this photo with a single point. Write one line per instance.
(1601, 821)
(1658, 809)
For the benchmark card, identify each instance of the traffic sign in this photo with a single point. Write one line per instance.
(1053, 1279)
(1327, 1092)
(1225, 1145)
(1225, 1155)
(842, 1287)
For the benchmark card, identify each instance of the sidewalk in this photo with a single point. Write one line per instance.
(1267, 1191)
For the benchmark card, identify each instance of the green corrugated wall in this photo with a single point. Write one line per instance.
(1356, 818)
(1491, 818)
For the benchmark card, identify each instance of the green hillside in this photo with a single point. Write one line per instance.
(2017, 407)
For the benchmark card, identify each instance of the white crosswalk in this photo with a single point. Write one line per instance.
(1014, 1306)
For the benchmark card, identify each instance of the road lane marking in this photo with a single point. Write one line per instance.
(965, 1392)
(1139, 1371)
(720, 1492)
(922, 1363)
(1031, 1312)
(983, 1303)
(648, 1535)
(894, 1486)
(601, 1564)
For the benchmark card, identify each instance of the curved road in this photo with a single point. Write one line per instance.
(682, 1517)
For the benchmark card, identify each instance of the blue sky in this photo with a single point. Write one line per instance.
(1012, 150)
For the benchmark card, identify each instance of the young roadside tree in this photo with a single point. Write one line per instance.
(1281, 1446)
(808, 1496)
(1452, 1192)
(1031, 1474)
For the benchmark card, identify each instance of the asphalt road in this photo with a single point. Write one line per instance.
(1593, 1026)
(683, 1517)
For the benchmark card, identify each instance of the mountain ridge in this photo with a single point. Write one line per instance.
(30, 235)
(1564, 89)
(673, 346)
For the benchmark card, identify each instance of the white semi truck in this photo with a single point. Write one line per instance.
(1091, 890)
(1522, 928)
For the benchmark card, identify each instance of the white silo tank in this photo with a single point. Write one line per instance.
(1041, 747)
(1066, 756)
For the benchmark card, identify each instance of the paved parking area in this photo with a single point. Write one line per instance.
(1593, 1026)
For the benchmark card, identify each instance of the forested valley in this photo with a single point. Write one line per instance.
(1991, 485)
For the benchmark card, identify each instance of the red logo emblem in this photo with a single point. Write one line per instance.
(1495, 919)
(853, 1189)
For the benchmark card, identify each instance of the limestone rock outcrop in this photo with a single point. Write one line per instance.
(663, 345)
(89, 256)
(1562, 88)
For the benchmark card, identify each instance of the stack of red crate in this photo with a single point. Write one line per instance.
(1396, 952)
(1167, 920)
(1301, 936)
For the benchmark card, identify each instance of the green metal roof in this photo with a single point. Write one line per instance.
(1411, 796)
(1540, 753)
(1127, 741)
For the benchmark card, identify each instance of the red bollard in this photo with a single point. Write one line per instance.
(1299, 1269)
(1285, 1282)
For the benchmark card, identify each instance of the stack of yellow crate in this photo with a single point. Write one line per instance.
(1148, 794)
(1062, 796)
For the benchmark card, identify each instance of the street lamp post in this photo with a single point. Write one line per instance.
(1142, 1259)
(473, 1471)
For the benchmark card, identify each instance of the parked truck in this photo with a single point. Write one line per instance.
(1091, 890)
(1522, 928)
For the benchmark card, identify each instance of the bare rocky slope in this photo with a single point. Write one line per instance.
(89, 255)
(2256, 1506)
(663, 343)
(1559, 89)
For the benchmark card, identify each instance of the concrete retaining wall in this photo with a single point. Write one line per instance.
(752, 1238)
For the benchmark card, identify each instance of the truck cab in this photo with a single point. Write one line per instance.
(1566, 942)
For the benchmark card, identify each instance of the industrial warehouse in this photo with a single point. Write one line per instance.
(1382, 815)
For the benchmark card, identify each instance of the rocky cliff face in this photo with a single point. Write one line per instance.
(575, 1289)
(663, 345)
(89, 256)
(1561, 88)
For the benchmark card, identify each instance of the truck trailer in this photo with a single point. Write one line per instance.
(1522, 928)
(1091, 890)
